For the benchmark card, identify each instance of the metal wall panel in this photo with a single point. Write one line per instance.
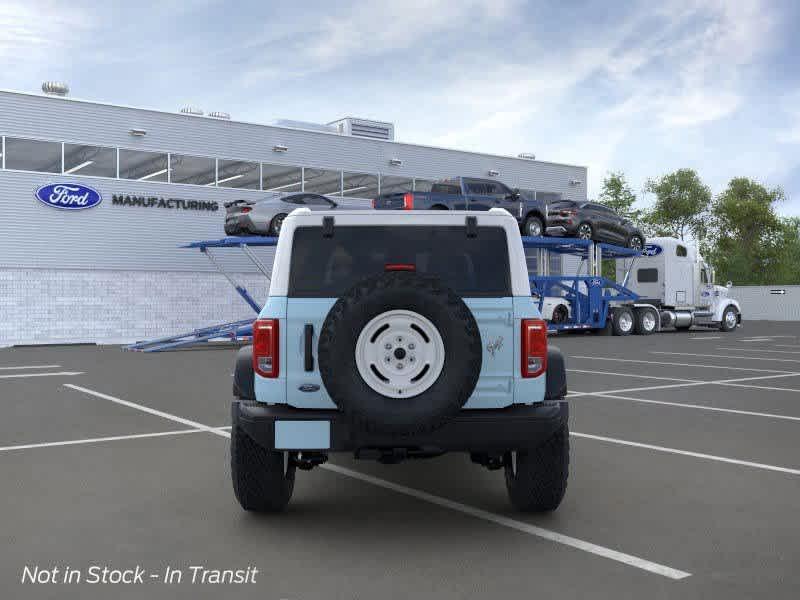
(768, 303)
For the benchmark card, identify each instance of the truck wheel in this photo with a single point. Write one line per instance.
(635, 242)
(533, 226)
(646, 321)
(536, 479)
(730, 319)
(263, 480)
(400, 353)
(622, 321)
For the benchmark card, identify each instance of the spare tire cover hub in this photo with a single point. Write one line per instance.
(399, 354)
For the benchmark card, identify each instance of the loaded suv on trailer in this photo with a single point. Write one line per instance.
(593, 221)
(394, 336)
(465, 193)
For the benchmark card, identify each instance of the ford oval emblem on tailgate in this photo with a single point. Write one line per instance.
(68, 196)
(309, 387)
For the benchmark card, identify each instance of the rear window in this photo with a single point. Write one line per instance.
(327, 267)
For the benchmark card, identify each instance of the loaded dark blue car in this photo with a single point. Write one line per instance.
(464, 193)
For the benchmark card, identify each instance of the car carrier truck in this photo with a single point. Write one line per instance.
(666, 285)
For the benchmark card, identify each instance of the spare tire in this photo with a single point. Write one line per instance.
(400, 353)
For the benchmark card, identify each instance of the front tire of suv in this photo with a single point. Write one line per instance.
(533, 227)
(536, 479)
(263, 480)
(635, 242)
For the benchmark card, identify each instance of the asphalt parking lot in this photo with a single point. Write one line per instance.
(685, 482)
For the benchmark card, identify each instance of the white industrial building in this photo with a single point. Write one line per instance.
(113, 272)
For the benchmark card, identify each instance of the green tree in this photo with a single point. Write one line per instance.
(618, 195)
(681, 205)
(749, 243)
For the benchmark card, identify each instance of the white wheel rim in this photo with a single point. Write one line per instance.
(730, 318)
(399, 354)
(649, 321)
(625, 322)
(534, 229)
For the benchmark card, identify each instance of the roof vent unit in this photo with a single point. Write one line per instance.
(55, 88)
(216, 114)
(375, 130)
(527, 155)
(192, 110)
(291, 124)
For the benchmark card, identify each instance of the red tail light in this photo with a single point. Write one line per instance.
(374, 201)
(534, 347)
(266, 337)
(408, 201)
(246, 209)
(399, 267)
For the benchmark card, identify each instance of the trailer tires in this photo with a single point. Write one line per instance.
(646, 321)
(622, 321)
(534, 226)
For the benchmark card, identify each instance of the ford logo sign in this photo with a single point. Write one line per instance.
(652, 250)
(68, 196)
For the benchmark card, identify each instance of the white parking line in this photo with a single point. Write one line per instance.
(547, 534)
(731, 382)
(792, 360)
(748, 413)
(786, 345)
(732, 461)
(632, 375)
(677, 364)
(760, 350)
(711, 337)
(30, 367)
(21, 375)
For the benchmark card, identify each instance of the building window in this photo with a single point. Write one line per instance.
(423, 185)
(238, 174)
(360, 185)
(555, 264)
(195, 170)
(144, 166)
(33, 155)
(396, 185)
(280, 178)
(680, 251)
(90, 160)
(323, 181)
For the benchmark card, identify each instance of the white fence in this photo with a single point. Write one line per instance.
(768, 302)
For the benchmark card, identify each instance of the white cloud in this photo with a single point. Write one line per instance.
(31, 34)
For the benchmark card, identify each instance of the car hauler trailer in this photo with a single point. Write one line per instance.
(671, 287)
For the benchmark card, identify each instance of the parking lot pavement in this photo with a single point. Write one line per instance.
(667, 497)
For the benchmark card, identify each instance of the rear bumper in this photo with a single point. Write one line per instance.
(282, 427)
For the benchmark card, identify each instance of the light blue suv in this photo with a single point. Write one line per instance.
(395, 335)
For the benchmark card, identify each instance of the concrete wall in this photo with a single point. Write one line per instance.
(768, 303)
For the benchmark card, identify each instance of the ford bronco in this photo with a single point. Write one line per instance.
(394, 336)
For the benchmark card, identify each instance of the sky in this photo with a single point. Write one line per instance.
(639, 87)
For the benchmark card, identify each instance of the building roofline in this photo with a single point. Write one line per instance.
(339, 135)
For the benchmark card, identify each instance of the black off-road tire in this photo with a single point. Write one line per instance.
(243, 377)
(540, 480)
(560, 314)
(260, 482)
(371, 411)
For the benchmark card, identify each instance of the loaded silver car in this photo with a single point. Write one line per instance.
(265, 216)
